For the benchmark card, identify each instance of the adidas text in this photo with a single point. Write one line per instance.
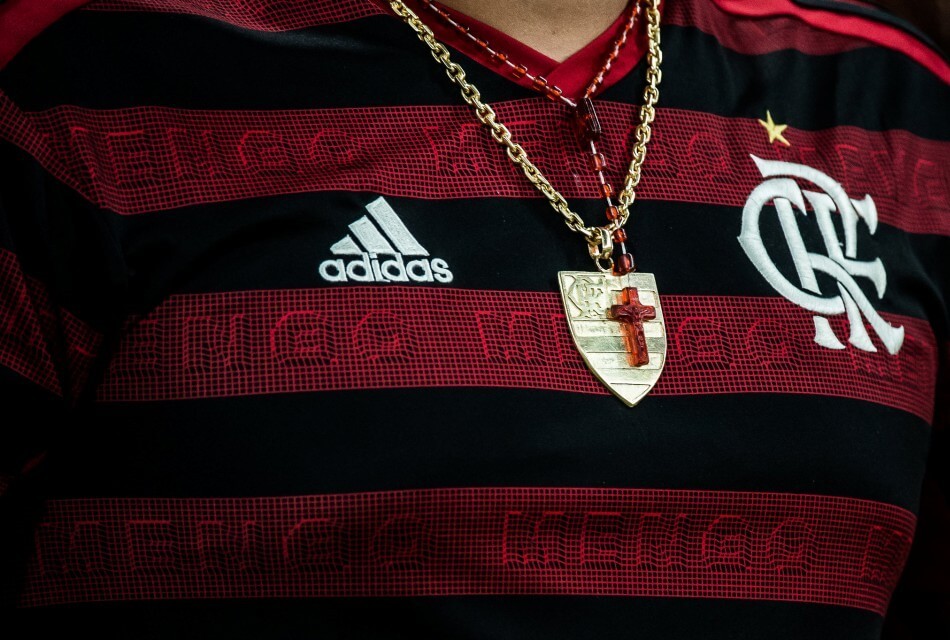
(369, 268)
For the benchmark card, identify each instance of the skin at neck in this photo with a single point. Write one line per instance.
(556, 28)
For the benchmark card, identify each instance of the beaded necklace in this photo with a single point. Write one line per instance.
(613, 314)
(586, 124)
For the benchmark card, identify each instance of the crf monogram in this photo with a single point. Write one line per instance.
(785, 194)
(587, 296)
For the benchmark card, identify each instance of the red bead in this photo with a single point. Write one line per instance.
(519, 71)
(607, 190)
(619, 236)
(554, 93)
(613, 213)
(585, 121)
(623, 264)
(498, 57)
(540, 82)
(597, 162)
(481, 43)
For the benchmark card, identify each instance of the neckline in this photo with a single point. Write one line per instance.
(572, 75)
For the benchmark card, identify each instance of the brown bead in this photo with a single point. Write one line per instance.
(597, 162)
(540, 82)
(619, 236)
(623, 264)
(498, 57)
(607, 190)
(554, 93)
(613, 213)
(481, 43)
(519, 71)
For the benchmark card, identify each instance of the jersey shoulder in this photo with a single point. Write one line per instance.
(844, 23)
(23, 20)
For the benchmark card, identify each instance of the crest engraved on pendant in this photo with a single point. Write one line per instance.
(617, 325)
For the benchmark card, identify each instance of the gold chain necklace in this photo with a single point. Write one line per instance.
(614, 318)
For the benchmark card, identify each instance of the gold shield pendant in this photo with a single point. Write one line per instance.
(617, 325)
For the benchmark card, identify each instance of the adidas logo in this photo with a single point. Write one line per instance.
(373, 243)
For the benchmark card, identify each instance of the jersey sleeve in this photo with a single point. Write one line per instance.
(62, 283)
(34, 354)
(920, 605)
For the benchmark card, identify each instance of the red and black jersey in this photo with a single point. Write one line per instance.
(282, 352)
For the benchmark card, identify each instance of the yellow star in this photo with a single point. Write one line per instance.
(774, 130)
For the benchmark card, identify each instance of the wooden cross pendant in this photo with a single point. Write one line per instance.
(631, 313)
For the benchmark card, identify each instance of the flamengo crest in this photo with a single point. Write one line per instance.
(783, 192)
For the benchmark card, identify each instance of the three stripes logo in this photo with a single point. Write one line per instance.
(373, 241)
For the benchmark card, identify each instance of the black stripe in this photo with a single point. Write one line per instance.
(811, 92)
(279, 241)
(471, 617)
(349, 441)
(111, 60)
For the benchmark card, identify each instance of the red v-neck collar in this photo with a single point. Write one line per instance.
(572, 76)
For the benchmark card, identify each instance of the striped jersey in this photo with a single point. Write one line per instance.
(283, 354)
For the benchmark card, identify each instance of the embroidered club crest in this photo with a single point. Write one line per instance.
(782, 191)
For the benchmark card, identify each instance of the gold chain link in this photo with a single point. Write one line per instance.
(516, 152)
(647, 111)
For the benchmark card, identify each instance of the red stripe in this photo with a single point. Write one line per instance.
(151, 158)
(473, 540)
(260, 15)
(369, 337)
(850, 25)
(39, 340)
